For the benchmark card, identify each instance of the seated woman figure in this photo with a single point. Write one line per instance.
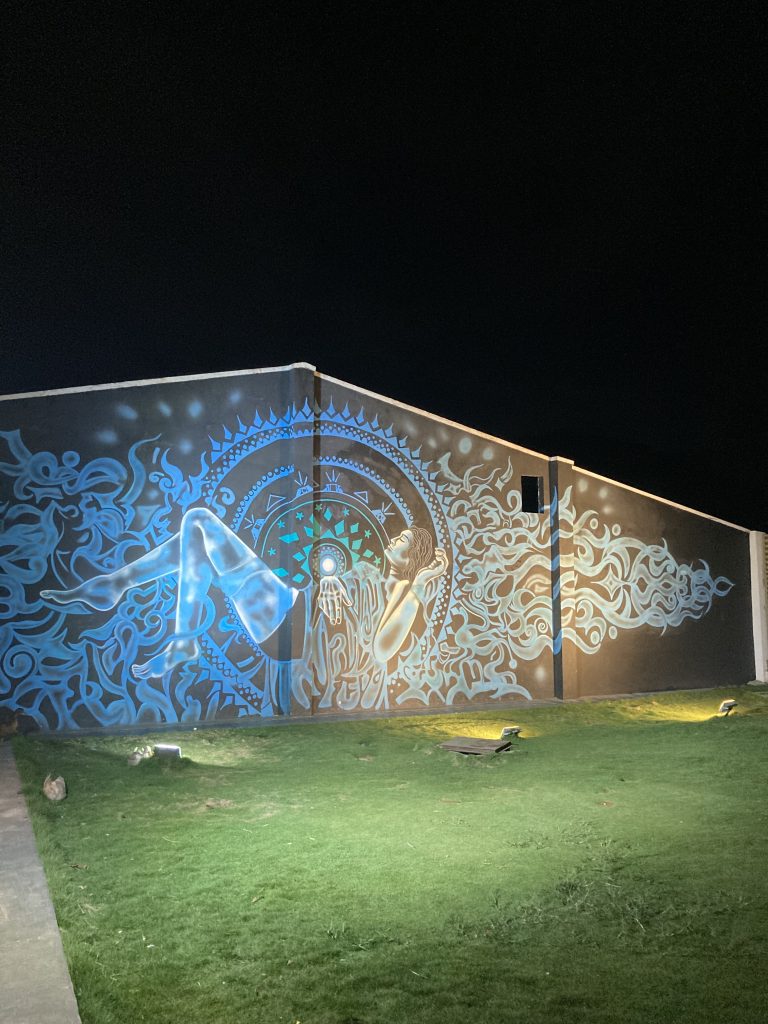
(206, 553)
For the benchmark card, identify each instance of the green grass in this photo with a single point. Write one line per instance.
(613, 867)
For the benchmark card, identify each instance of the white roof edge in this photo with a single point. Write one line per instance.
(432, 416)
(665, 501)
(529, 451)
(154, 380)
(370, 394)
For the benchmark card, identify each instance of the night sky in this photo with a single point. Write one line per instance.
(548, 222)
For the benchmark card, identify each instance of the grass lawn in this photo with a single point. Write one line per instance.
(612, 867)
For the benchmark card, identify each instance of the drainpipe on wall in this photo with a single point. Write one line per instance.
(564, 654)
(758, 555)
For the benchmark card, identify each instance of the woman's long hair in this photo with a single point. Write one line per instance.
(421, 552)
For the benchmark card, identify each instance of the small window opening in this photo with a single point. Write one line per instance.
(533, 487)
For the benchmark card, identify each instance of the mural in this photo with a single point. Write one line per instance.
(618, 583)
(310, 561)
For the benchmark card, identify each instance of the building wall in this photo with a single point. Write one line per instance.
(659, 597)
(485, 629)
(217, 548)
(94, 480)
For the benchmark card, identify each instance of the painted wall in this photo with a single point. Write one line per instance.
(484, 628)
(658, 595)
(277, 542)
(96, 480)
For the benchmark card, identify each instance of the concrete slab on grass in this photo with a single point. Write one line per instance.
(35, 987)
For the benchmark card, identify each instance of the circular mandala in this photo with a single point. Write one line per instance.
(316, 495)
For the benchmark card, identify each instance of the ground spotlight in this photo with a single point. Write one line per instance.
(167, 750)
(510, 730)
(726, 707)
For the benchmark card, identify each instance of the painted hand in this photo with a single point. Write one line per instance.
(332, 598)
(433, 571)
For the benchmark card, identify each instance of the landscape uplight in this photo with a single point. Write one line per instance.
(726, 707)
(510, 730)
(167, 750)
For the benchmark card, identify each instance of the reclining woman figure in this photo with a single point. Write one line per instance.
(206, 552)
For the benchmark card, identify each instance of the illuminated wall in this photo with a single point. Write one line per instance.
(277, 542)
(658, 594)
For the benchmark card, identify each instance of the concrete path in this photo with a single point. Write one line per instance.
(35, 987)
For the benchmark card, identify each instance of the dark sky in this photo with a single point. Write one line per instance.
(548, 222)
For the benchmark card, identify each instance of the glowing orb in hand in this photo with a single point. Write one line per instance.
(329, 558)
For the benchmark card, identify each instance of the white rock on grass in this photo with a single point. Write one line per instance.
(54, 789)
(139, 754)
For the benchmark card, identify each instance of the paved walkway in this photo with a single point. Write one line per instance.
(34, 982)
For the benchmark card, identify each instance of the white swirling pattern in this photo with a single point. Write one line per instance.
(619, 583)
(501, 608)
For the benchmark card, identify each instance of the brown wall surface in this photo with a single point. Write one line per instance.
(661, 596)
(485, 632)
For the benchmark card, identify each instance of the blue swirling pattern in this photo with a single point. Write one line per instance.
(68, 523)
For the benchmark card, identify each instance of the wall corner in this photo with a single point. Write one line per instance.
(758, 560)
